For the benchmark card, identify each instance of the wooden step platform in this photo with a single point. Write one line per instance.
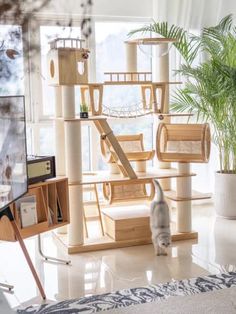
(127, 78)
(107, 243)
(140, 156)
(151, 173)
(171, 195)
(151, 41)
(92, 118)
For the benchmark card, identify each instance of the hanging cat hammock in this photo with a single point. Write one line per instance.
(183, 142)
(116, 192)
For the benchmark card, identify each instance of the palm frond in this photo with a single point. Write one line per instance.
(210, 88)
(225, 24)
(184, 44)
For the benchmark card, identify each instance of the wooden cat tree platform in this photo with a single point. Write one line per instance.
(64, 59)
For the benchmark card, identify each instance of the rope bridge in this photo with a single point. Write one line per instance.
(129, 111)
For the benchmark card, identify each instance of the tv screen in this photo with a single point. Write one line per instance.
(13, 168)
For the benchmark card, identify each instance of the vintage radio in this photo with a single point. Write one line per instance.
(40, 168)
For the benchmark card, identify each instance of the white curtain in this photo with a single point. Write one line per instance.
(192, 14)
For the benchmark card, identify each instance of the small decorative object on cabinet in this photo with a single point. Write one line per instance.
(40, 168)
(28, 211)
(52, 209)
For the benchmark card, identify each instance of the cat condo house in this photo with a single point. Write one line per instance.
(129, 179)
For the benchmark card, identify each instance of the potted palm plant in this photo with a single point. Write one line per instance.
(210, 93)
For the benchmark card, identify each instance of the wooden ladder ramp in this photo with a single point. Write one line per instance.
(115, 148)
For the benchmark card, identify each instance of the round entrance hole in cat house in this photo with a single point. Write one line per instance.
(183, 143)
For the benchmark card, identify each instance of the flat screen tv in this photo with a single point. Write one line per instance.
(13, 167)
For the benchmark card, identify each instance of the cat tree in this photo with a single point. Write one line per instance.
(67, 66)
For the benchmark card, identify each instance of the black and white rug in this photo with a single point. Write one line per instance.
(135, 296)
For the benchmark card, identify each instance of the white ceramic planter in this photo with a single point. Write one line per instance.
(225, 195)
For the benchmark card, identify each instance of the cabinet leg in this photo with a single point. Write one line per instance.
(28, 259)
(50, 258)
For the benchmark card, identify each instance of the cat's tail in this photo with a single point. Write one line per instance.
(159, 192)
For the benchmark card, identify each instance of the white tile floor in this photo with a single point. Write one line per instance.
(105, 271)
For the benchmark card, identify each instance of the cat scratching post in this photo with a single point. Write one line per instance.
(59, 141)
(141, 166)
(59, 133)
(184, 190)
(68, 66)
(161, 73)
(73, 165)
(131, 57)
(113, 168)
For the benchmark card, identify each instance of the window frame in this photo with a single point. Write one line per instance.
(36, 118)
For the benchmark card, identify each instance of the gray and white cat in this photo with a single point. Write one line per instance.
(160, 222)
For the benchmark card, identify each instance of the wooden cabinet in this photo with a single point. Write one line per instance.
(52, 206)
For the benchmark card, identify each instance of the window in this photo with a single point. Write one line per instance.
(110, 37)
(11, 60)
(46, 138)
(110, 46)
(106, 35)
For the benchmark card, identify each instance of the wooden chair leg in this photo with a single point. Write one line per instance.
(28, 259)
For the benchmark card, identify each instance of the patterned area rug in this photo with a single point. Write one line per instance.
(134, 296)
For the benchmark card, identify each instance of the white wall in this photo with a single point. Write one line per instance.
(126, 8)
